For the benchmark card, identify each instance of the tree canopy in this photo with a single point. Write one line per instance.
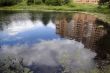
(9, 2)
(29, 2)
(104, 2)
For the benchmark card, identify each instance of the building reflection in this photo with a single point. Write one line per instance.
(82, 28)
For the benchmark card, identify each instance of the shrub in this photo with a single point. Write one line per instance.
(9, 2)
(57, 2)
(51, 2)
(48, 2)
(29, 2)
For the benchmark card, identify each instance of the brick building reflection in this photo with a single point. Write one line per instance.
(82, 28)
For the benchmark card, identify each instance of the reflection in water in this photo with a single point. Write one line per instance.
(92, 32)
(54, 53)
(103, 43)
(46, 35)
(82, 28)
(23, 30)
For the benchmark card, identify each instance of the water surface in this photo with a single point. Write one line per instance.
(43, 39)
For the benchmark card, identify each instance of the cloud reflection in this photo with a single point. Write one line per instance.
(16, 27)
(53, 53)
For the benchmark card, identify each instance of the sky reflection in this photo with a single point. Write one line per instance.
(41, 39)
(69, 53)
(22, 32)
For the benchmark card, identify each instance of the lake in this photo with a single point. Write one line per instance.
(50, 41)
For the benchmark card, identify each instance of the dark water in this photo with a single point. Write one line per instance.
(31, 28)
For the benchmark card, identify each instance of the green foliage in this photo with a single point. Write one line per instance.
(56, 2)
(51, 2)
(9, 2)
(29, 2)
(104, 2)
(43, 1)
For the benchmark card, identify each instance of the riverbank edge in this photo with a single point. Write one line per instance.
(100, 16)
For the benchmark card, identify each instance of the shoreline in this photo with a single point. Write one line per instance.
(100, 16)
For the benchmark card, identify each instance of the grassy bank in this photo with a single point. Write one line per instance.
(67, 7)
(102, 13)
(43, 7)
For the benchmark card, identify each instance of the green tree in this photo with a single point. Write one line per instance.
(55, 2)
(9, 2)
(104, 2)
(43, 1)
(29, 2)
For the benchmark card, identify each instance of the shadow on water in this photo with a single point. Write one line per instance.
(46, 69)
(103, 46)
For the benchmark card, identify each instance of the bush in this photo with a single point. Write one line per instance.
(48, 2)
(51, 2)
(29, 2)
(57, 2)
(9, 2)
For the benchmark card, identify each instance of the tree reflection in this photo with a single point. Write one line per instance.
(5, 18)
(46, 18)
(103, 45)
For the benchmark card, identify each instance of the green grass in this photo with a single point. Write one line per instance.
(69, 7)
(103, 12)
